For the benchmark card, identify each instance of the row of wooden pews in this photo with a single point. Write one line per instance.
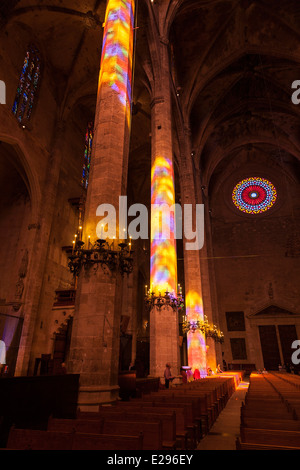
(173, 419)
(270, 414)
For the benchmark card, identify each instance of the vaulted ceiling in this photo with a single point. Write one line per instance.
(234, 62)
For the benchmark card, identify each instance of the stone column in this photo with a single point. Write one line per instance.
(192, 268)
(37, 244)
(132, 287)
(214, 350)
(164, 328)
(95, 340)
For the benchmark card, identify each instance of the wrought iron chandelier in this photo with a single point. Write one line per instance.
(176, 302)
(101, 253)
(210, 331)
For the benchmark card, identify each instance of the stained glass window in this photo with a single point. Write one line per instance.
(28, 85)
(254, 195)
(87, 154)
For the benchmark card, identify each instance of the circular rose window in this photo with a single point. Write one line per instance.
(254, 195)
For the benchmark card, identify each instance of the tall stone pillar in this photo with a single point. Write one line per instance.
(164, 328)
(37, 245)
(94, 352)
(196, 343)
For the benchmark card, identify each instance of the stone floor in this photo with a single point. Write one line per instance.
(223, 434)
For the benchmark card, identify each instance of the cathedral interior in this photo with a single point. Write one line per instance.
(188, 101)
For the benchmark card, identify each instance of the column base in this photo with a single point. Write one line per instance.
(90, 398)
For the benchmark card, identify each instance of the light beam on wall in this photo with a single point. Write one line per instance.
(196, 342)
(117, 51)
(163, 245)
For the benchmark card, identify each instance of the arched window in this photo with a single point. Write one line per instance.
(28, 85)
(87, 154)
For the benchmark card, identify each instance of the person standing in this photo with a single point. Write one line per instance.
(190, 375)
(167, 375)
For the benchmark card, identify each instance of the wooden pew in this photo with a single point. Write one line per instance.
(203, 408)
(253, 411)
(168, 421)
(268, 417)
(202, 412)
(76, 425)
(152, 431)
(28, 439)
(194, 435)
(247, 446)
(90, 441)
(115, 413)
(186, 427)
(181, 418)
(271, 437)
(270, 423)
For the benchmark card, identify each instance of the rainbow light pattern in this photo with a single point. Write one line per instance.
(196, 343)
(254, 195)
(117, 51)
(163, 261)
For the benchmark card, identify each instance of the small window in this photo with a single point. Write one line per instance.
(235, 321)
(28, 86)
(238, 349)
(87, 155)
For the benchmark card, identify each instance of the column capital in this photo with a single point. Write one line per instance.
(157, 100)
(164, 40)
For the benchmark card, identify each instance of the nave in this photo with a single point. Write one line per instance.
(223, 412)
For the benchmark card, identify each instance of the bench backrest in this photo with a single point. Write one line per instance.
(270, 437)
(78, 425)
(31, 439)
(269, 423)
(152, 431)
(88, 441)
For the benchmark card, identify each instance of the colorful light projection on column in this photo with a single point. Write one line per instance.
(163, 244)
(196, 340)
(117, 51)
(254, 195)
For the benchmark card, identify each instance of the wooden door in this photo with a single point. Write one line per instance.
(269, 347)
(288, 335)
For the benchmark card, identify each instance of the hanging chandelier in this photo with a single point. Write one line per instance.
(108, 256)
(210, 331)
(175, 301)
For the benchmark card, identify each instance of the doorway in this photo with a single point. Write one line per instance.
(269, 347)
